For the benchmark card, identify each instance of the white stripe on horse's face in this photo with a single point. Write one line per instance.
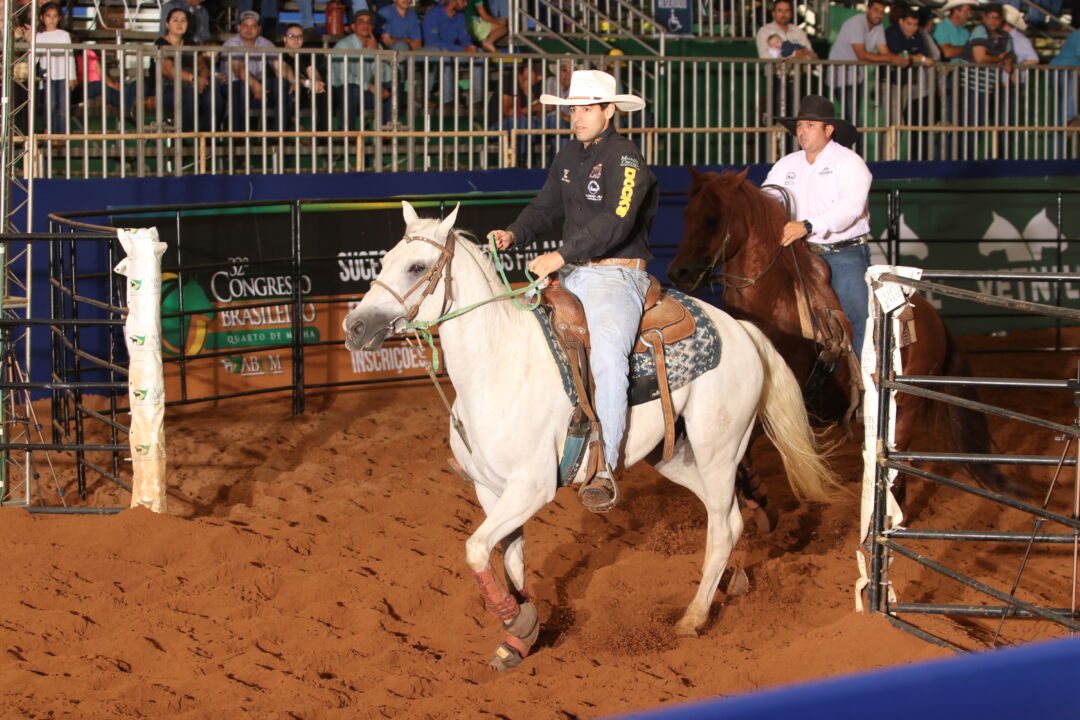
(401, 283)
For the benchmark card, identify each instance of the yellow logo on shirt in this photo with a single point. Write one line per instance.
(627, 193)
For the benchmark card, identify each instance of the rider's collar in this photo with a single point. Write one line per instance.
(585, 149)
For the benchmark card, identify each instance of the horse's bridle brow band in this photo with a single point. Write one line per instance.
(431, 277)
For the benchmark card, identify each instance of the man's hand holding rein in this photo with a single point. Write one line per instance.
(543, 265)
(503, 238)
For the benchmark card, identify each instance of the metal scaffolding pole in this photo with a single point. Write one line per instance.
(16, 193)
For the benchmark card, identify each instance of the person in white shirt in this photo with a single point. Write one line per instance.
(781, 25)
(57, 67)
(783, 85)
(1016, 26)
(829, 184)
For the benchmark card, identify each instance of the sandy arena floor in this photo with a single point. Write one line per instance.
(313, 567)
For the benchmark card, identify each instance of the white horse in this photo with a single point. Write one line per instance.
(511, 402)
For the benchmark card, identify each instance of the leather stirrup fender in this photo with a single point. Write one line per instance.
(656, 341)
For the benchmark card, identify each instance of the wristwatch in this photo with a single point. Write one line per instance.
(809, 228)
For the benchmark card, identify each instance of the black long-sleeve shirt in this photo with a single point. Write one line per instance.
(604, 195)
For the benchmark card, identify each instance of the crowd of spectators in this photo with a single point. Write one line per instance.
(218, 90)
(909, 38)
(236, 85)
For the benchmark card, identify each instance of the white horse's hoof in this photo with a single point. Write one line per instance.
(521, 635)
(505, 658)
(737, 584)
(686, 628)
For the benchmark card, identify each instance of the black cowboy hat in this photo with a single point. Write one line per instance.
(816, 107)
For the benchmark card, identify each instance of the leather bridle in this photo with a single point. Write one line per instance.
(720, 256)
(428, 281)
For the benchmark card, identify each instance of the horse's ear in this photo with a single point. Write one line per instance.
(448, 223)
(697, 179)
(742, 175)
(409, 212)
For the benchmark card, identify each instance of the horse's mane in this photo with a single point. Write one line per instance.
(752, 215)
(730, 194)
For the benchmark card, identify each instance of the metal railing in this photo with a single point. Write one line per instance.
(727, 19)
(1018, 537)
(589, 26)
(337, 110)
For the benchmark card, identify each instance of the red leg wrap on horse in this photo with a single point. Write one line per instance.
(496, 598)
(518, 644)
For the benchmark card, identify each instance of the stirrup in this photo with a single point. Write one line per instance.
(600, 493)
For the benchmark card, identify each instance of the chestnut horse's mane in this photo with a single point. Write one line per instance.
(721, 188)
(750, 214)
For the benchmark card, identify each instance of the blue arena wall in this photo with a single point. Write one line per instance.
(1031, 681)
(94, 194)
(52, 196)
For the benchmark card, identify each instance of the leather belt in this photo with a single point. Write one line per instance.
(632, 263)
(826, 248)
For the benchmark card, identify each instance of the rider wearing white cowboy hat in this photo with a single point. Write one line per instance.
(604, 197)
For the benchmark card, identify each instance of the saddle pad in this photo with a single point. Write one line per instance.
(686, 359)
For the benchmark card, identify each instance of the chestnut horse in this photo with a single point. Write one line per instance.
(732, 233)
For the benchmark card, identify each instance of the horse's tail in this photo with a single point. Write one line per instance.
(784, 418)
(968, 429)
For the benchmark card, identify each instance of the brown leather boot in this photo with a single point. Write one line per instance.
(601, 492)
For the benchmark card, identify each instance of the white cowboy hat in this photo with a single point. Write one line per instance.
(949, 6)
(1015, 18)
(592, 87)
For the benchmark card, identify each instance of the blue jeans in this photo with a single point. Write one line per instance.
(1065, 87)
(557, 120)
(185, 118)
(54, 100)
(353, 103)
(849, 102)
(613, 299)
(241, 99)
(118, 99)
(848, 268)
(449, 80)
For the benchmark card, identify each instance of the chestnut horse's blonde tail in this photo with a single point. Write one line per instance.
(784, 418)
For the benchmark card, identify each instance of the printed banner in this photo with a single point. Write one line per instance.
(235, 259)
(994, 230)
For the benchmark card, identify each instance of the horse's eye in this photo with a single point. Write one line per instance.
(417, 268)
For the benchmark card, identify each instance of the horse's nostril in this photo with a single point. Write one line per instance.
(353, 334)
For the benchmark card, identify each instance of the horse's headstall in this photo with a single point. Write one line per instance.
(429, 280)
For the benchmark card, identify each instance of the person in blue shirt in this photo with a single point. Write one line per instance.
(951, 34)
(398, 26)
(444, 29)
(358, 82)
(989, 52)
(1068, 57)
(912, 87)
